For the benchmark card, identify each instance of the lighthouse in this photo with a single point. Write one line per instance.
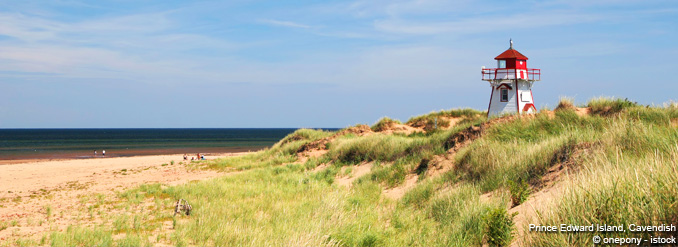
(511, 84)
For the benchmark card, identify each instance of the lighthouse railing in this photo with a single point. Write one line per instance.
(505, 74)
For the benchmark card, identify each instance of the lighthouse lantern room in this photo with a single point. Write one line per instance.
(511, 84)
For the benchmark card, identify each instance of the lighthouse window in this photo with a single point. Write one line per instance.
(501, 64)
(504, 95)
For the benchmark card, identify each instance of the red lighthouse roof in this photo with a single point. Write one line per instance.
(511, 53)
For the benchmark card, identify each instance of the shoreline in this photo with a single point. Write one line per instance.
(191, 152)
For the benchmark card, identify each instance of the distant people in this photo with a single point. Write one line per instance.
(185, 157)
(202, 157)
(103, 152)
(197, 156)
(95, 153)
(192, 158)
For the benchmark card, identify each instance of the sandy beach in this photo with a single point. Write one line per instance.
(28, 188)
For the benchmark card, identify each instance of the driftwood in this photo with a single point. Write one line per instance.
(182, 207)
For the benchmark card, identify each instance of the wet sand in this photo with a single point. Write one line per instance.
(111, 153)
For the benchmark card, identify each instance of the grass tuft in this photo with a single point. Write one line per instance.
(565, 103)
(384, 124)
(605, 106)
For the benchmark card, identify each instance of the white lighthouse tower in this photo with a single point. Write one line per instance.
(511, 84)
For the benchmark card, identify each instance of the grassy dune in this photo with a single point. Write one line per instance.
(620, 166)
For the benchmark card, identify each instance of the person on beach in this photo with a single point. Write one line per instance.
(185, 157)
(95, 153)
(103, 153)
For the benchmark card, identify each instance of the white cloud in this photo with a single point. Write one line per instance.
(140, 47)
(483, 24)
(284, 23)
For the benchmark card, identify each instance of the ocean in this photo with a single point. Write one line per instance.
(81, 143)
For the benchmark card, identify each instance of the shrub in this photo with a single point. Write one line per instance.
(369, 239)
(499, 227)
(520, 191)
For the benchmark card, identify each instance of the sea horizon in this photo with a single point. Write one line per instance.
(84, 143)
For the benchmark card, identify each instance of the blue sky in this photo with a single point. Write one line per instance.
(159, 64)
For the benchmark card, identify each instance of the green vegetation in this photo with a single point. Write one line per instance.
(383, 124)
(615, 166)
(607, 106)
(499, 228)
(520, 191)
(565, 103)
(440, 119)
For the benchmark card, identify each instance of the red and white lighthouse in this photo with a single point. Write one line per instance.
(511, 84)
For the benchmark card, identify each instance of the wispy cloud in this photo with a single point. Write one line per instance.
(284, 23)
(483, 24)
(146, 47)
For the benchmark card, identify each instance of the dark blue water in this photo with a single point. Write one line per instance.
(81, 143)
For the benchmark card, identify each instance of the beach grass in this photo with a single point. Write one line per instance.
(384, 123)
(619, 167)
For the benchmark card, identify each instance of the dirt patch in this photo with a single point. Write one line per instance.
(453, 121)
(356, 172)
(320, 167)
(321, 144)
(313, 153)
(398, 192)
(529, 210)
(583, 111)
(464, 137)
(396, 128)
(431, 123)
(437, 165)
(549, 186)
(359, 130)
(563, 161)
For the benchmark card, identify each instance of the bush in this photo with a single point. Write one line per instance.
(499, 227)
(520, 191)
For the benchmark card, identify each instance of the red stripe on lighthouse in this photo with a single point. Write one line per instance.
(517, 98)
(490, 104)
